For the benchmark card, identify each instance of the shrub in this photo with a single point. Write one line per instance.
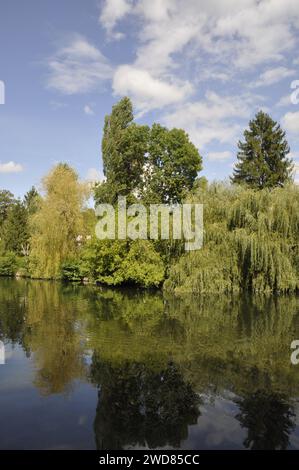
(8, 264)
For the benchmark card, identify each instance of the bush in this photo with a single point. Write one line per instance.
(121, 262)
(72, 271)
(8, 264)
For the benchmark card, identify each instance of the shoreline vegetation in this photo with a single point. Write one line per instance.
(251, 223)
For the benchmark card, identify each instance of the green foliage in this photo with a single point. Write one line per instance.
(72, 271)
(6, 202)
(124, 146)
(262, 157)
(251, 241)
(15, 231)
(143, 265)
(155, 164)
(172, 165)
(120, 262)
(8, 264)
(58, 223)
(32, 201)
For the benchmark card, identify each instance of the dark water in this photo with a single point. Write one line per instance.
(89, 368)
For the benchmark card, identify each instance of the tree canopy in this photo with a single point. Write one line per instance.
(262, 157)
(58, 222)
(155, 164)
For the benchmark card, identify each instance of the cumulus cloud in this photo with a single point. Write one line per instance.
(112, 12)
(77, 68)
(250, 32)
(182, 46)
(212, 118)
(147, 91)
(10, 167)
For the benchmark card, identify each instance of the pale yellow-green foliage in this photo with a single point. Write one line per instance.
(57, 223)
(251, 241)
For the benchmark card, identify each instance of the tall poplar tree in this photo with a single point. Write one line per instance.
(124, 146)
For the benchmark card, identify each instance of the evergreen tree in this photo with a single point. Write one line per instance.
(262, 157)
(6, 201)
(15, 229)
(32, 200)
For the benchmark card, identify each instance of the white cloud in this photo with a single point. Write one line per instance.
(180, 46)
(213, 118)
(284, 101)
(78, 68)
(219, 156)
(10, 167)
(290, 122)
(93, 175)
(88, 110)
(247, 32)
(273, 75)
(296, 172)
(112, 12)
(147, 91)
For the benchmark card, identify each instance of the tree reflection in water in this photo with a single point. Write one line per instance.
(236, 344)
(269, 420)
(141, 406)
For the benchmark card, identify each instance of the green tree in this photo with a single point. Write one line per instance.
(269, 419)
(6, 201)
(157, 164)
(124, 146)
(262, 157)
(32, 200)
(58, 222)
(172, 165)
(15, 230)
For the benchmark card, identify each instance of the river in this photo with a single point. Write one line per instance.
(89, 368)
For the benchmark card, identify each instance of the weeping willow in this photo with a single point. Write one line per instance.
(251, 242)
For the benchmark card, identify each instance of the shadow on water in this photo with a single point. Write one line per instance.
(208, 373)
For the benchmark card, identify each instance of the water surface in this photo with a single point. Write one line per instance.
(91, 368)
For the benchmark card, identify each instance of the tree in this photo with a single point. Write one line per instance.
(140, 405)
(269, 419)
(6, 201)
(15, 229)
(172, 166)
(57, 223)
(124, 146)
(158, 164)
(32, 200)
(262, 161)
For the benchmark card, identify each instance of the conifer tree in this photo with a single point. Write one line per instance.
(262, 157)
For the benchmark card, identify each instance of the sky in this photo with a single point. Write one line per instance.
(206, 66)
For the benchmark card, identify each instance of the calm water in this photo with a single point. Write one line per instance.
(89, 368)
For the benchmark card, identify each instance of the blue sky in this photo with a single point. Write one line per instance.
(204, 65)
